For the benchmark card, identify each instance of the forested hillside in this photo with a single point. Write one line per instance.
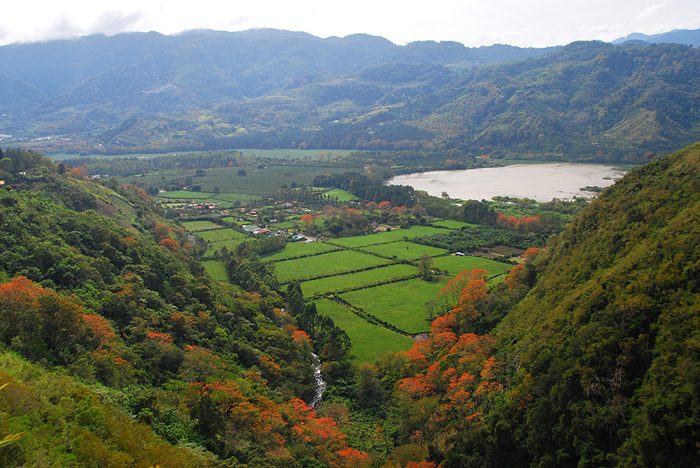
(276, 89)
(585, 356)
(136, 349)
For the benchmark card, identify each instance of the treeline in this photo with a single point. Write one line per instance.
(366, 189)
(15, 162)
(128, 166)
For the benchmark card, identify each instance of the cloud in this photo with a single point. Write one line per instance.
(238, 21)
(61, 28)
(650, 10)
(114, 22)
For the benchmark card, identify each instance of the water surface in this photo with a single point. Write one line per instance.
(540, 182)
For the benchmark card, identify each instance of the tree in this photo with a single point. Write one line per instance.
(308, 221)
(425, 267)
(241, 172)
(7, 165)
(295, 298)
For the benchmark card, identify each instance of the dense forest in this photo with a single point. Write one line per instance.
(116, 348)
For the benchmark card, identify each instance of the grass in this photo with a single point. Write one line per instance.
(284, 225)
(404, 250)
(384, 237)
(368, 341)
(262, 182)
(340, 194)
(221, 235)
(216, 269)
(297, 249)
(195, 226)
(230, 244)
(296, 153)
(243, 198)
(451, 224)
(233, 220)
(186, 195)
(356, 280)
(454, 265)
(401, 304)
(325, 264)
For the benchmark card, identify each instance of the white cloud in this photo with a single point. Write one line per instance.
(650, 10)
(474, 22)
(113, 22)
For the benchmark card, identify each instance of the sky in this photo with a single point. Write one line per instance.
(534, 23)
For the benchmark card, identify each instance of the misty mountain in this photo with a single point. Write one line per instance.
(689, 37)
(269, 88)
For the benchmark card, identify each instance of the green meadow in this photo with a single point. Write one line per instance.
(369, 341)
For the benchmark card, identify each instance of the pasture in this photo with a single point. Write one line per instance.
(356, 280)
(403, 250)
(185, 195)
(340, 194)
(260, 181)
(401, 304)
(454, 265)
(297, 249)
(230, 244)
(196, 226)
(242, 198)
(385, 237)
(451, 224)
(323, 265)
(369, 341)
(216, 269)
(219, 235)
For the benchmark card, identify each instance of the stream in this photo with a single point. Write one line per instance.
(320, 383)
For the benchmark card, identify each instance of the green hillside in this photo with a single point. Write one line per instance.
(117, 349)
(606, 340)
(585, 356)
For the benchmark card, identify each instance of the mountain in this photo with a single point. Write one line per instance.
(145, 92)
(689, 37)
(606, 339)
(587, 100)
(585, 356)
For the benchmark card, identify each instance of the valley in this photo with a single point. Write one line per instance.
(426, 255)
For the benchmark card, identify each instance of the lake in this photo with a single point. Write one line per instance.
(540, 182)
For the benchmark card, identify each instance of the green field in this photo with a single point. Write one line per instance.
(404, 250)
(454, 265)
(186, 195)
(216, 269)
(221, 235)
(326, 264)
(233, 220)
(295, 153)
(401, 304)
(368, 341)
(194, 226)
(356, 280)
(384, 237)
(340, 194)
(230, 244)
(297, 249)
(284, 225)
(450, 224)
(237, 197)
(263, 181)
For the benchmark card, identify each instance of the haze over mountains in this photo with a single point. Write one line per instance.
(271, 88)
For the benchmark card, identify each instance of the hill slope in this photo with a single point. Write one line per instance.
(588, 356)
(607, 338)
